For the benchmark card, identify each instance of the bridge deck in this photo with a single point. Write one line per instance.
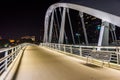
(40, 64)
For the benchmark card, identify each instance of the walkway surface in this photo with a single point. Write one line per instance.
(43, 64)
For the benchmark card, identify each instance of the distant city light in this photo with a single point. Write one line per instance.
(12, 41)
(98, 27)
(77, 34)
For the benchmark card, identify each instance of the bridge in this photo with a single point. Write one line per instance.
(58, 59)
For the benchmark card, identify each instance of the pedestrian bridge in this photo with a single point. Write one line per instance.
(34, 62)
(66, 52)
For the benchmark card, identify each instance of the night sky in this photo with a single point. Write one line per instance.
(23, 18)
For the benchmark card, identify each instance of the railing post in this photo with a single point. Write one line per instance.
(6, 61)
(71, 49)
(59, 47)
(117, 58)
(118, 51)
(55, 46)
(49, 45)
(45, 44)
(15, 51)
(64, 48)
(80, 49)
(12, 50)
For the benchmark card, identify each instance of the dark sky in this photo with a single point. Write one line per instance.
(23, 18)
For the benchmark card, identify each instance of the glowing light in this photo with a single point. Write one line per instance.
(12, 41)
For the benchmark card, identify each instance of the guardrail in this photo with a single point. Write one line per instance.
(103, 53)
(7, 56)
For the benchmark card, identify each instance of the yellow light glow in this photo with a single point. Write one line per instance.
(11, 41)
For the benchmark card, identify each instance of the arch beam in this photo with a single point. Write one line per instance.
(104, 34)
(51, 27)
(62, 29)
(83, 26)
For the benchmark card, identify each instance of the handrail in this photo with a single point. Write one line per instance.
(105, 54)
(10, 55)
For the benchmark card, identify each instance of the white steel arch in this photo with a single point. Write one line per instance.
(107, 17)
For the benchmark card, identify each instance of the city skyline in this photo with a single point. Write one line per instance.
(18, 19)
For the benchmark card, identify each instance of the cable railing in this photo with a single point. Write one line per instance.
(101, 53)
(7, 56)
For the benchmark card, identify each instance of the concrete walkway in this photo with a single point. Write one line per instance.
(42, 64)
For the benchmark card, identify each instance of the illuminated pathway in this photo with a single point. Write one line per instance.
(42, 64)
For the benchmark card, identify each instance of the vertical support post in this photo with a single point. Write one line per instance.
(101, 36)
(6, 61)
(113, 28)
(55, 46)
(12, 50)
(64, 48)
(61, 19)
(71, 51)
(59, 47)
(62, 30)
(83, 26)
(57, 22)
(57, 18)
(104, 35)
(115, 36)
(60, 11)
(50, 45)
(16, 51)
(117, 53)
(56, 32)
(70, 26)
(80, 49)
(117, 58)
(112, 36)
(46, 30)
(51, 27)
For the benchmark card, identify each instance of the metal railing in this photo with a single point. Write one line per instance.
(103, 53)
(7, 56)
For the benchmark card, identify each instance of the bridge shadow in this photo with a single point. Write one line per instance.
(92, 65)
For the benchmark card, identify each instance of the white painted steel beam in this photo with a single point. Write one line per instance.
(110, 18)
(104, 35)
(71, 27)
(83, 26)
(62, 30)
(66, 40)
(51, 27)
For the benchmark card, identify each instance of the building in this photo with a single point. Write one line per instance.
(29, 37)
